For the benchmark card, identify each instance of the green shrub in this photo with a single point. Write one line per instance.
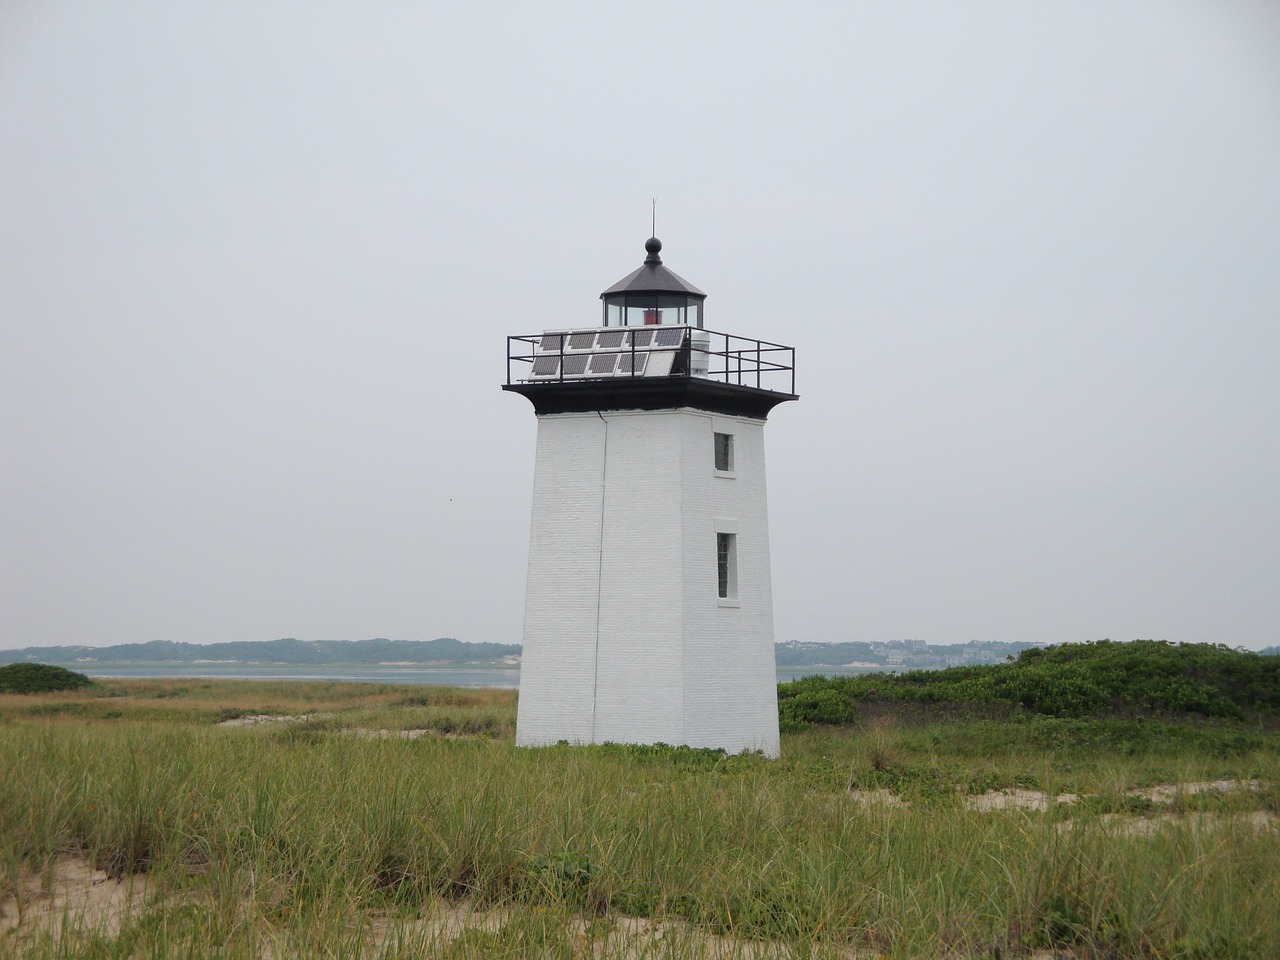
(39, 678)
(1072, 680)
(804, 707)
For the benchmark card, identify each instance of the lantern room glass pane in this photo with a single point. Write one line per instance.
(647, 311)
(637, 309)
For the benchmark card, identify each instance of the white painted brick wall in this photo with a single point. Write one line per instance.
(625, 637)
(731, 692)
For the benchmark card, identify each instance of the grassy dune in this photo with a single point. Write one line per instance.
(337, 836)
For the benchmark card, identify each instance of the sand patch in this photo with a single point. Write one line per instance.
(617, 937)
(91, 902)
(363, 733)
(637, 937)
(879, 798)
(377, 733)
(417, 733)
(86, 898)
(1167, 793)
(1259, 821)
(443, 922)
(257, 718)
(1017, 799)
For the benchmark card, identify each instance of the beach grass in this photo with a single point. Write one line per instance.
(389, 821)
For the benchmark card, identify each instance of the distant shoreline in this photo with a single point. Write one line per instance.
(492, 675)
(496, 675)
(291, 658)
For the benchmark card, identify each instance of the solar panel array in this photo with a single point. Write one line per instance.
(609, 352)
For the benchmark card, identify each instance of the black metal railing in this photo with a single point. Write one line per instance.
(610, 353)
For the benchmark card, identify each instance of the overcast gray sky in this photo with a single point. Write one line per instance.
(258, 261)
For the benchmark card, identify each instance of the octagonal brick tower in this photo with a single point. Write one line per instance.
(648, 607)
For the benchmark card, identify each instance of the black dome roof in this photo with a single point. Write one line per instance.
(653, 278)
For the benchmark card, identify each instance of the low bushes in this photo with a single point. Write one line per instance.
(39, 678)
(1071, 680)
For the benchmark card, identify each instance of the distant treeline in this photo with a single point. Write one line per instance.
(289, 650)
(1071, 680)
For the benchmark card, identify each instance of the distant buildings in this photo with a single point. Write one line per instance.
(896, 655)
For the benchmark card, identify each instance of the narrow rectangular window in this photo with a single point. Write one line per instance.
(727, 564)
(724, 451)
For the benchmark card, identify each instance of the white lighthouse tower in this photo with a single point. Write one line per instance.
(649, 609)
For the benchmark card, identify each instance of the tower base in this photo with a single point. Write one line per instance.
(649, 610)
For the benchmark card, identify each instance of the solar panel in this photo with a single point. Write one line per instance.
(545, 366)
(610, 339)
(611, 352)
(602, 364)
(632, 364)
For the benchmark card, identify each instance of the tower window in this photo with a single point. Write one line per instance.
(727, 564)
(724, 452)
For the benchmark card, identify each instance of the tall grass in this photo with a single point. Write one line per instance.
(302, 839)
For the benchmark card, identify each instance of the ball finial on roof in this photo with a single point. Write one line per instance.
(652, 246)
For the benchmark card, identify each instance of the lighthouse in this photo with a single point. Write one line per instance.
(648, 606)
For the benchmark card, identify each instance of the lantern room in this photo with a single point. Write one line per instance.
(652, 295)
